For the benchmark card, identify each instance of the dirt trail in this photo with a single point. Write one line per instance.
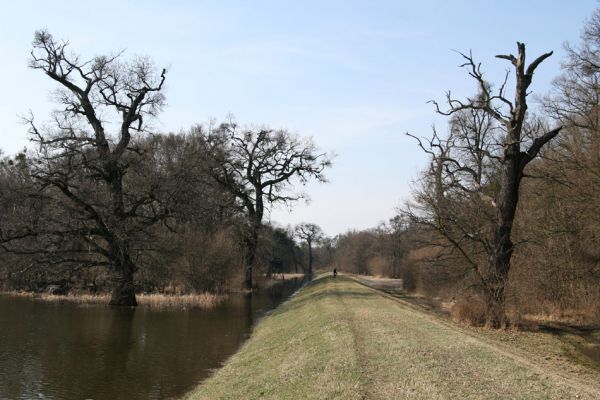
(556, 372)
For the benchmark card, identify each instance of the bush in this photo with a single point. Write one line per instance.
(211, 260)
(469, 310)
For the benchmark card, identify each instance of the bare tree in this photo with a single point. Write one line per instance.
(86, 169)
(454, 197)
(258, 166)
(510, 119)
(311, 234)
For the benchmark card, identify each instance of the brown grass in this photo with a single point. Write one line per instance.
(469, 310)
(277, 277)
(294, 276)
(199, 300)
(581, 317)
(152, 300)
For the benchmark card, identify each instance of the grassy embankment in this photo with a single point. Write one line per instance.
(341, 339)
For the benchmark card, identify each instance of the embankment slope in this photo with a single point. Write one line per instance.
(337, 339)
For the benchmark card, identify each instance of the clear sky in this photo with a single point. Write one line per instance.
(353, 75)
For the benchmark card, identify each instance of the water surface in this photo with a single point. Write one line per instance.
(68, 351)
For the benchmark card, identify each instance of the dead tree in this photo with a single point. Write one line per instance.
(259, 166)
(311, 234)
(84, 167)
(515, 134)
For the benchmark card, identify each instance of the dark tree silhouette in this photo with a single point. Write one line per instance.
(511, 160)
(258, 166)
(311, 234)
(86, 169)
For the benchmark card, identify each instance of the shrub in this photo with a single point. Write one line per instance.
(469, 310)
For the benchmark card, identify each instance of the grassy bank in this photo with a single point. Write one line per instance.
(340, 339)
(154, 300)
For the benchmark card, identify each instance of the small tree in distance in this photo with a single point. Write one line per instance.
(311, 234)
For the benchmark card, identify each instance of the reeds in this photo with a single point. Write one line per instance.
(197, 300)
(151, 300)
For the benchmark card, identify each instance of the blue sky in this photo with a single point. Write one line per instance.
(353, 75)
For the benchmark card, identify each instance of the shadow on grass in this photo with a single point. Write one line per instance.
(583, 339)
(421, 303)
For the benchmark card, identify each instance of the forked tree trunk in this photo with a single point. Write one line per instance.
(513, 165)
(513, 162)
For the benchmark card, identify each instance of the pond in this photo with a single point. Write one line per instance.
(68, 351)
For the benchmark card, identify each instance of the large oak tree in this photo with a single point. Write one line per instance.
(259, 167)
(87, 163)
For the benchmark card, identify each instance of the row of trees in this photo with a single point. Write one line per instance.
(507, 212)
(104, 190)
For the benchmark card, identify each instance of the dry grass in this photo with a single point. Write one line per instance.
(286, 276)
(337, 339)
(265, 282)
(153, 300)
(373, 278)
(200, 300)
(294, 276)
(584, 316)
(469, 310)
(389, 285)
(82, 298)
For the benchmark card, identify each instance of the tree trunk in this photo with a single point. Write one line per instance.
(250, 257)
(295, 260)
(495, 305)
(251, 245)
(502, 250)
(310, 258)
(499, 267)
(123, 293)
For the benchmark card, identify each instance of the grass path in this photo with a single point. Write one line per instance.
(337, 339)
